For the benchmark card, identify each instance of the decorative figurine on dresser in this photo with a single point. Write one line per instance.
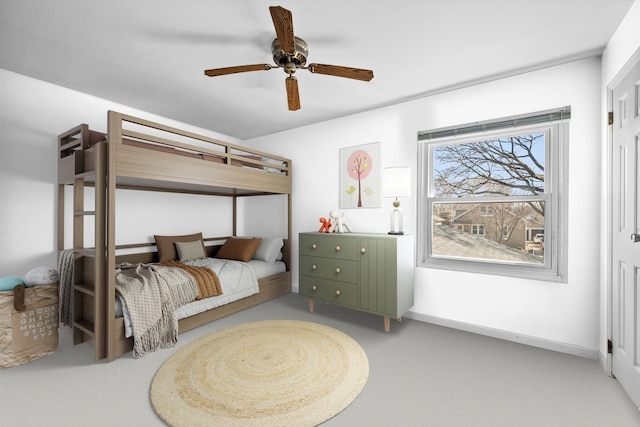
(367, 272)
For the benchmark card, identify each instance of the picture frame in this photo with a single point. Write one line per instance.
(360, 172)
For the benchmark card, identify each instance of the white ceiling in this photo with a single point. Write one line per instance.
(151, 54)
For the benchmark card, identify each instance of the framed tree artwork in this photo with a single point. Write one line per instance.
(360, 176)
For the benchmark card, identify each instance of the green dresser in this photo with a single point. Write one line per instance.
(368, 272)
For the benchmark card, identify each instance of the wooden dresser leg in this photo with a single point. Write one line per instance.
(387, 323)
(311, 305)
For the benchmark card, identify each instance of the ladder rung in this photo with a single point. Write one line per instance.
(86, 252)
(84, 326)
(85, 175)
(81, 287)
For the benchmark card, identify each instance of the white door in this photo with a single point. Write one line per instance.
(625, 287)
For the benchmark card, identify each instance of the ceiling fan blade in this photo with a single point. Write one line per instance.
(339, 71)
(293, 97)
(239, 69)
(283, 23)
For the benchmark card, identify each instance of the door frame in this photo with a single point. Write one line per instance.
(629, 64)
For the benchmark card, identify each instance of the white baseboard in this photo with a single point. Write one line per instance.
(560, 347)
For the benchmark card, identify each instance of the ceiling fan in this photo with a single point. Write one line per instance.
(290, 53)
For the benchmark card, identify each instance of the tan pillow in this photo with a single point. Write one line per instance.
(167, 249)
(190, 250)
(238, 249)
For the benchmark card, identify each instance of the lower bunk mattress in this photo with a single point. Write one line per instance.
(238, 280)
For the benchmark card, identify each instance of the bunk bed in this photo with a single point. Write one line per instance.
(140, 154)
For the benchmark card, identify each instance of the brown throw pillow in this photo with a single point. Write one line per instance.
(239, 249)
(167, 249)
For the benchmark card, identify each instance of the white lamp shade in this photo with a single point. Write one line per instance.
(396, 182)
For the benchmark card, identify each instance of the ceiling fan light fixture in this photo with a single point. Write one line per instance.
(298, 57)
(290, 68)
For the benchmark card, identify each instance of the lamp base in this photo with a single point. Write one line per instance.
(396, 221)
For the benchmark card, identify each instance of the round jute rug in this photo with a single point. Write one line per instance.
(269, 373)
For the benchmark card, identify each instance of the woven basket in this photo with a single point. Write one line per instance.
(31, 333)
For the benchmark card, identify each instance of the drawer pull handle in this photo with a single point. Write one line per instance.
(314, 246)
(363, 250)
(314, 288)
(314, 267)
(338, 248)
(338, 270)
(338, 292)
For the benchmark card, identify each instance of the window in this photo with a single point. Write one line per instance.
(488, 189)
(477, 229)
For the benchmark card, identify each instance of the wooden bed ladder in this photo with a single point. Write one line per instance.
(88, 269)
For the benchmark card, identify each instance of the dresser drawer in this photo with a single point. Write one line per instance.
(329, 291)
(329, 268)
(329, 246)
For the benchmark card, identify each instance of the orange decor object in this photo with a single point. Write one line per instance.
(326, 223)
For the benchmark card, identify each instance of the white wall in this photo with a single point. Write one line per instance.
(32, 114)
(624, 44)
(530, 310)
(272, 212)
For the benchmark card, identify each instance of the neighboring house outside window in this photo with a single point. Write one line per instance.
(491, 192)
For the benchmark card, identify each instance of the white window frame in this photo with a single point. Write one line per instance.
(476, 228)
(555, 198)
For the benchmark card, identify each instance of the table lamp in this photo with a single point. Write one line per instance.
(396, 183)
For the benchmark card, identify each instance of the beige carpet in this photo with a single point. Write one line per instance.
(270, 373)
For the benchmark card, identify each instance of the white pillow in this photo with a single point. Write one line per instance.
(274, 162)
(269, 249)
(41, 276)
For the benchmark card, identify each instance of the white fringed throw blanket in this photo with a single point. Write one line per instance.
(152, 293)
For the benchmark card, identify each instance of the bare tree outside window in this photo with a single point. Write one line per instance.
(497, 169)
(501, 167)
